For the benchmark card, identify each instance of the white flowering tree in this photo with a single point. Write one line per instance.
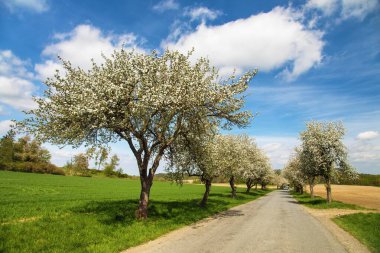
(322, 142)
(196, 155)
(308, 168)
(292, 172)
(145, 100)
(235, 157)
(258, 169)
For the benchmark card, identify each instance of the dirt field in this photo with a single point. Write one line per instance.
(366, 196)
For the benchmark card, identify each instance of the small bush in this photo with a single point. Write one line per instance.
(42, 168)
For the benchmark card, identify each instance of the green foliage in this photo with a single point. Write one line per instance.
(44, 168)
(110, 168)
(320, 203)
(25, 155)
(47, 213)
(364, 226)
(79, 166)
(28, 150)
(7, 148)
(363, 179)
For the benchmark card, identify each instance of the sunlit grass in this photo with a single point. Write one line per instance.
(47, 213)
(321, 203)
(364, 226)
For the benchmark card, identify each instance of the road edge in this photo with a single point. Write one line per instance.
(349, 242)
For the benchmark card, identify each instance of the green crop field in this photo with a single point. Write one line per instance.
(50, 213)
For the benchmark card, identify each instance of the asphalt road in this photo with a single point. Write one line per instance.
(274, 223)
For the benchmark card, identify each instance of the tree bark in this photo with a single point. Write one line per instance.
(312, 190)
(249, 185)
(207, 192)
(233, 187)
(311, 184)
(142, 211)
(255, 186)
(328, 190)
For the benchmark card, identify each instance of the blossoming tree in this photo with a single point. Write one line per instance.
(147, 100)
(322, 143)
(196, 155)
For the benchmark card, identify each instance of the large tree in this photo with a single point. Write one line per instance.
(323, 145)
(145, 100)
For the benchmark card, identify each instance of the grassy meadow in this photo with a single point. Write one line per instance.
(51, 213)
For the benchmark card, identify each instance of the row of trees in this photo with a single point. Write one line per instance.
(147, 100)
(235, 157)
(321, 155)
(28, 155)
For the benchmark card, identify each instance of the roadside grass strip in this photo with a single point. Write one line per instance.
(320, 203)
(364, 226)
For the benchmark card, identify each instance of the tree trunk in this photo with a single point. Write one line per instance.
(328, 190)
(255, 186)
(142, 211)
(249, 185)
(311, 184)
(233, 187)
(312, 190)
(207, 192)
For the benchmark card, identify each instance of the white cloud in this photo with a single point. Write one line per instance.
(83, 43)
(368, 135)
(47, 69)
(16, 92)
(38, 6)
(11, 65)
(202, 13)
(267, 41)
(278, 148)
(344, 8)
(166, 5)
(328, 7)
(16, 87)
(5, 125)
(357, 8)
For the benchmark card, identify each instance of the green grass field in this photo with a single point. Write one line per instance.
(48, 213)
(320, 203)
(364, 226)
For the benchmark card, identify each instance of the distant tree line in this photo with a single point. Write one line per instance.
(26, 155)
(363, 179)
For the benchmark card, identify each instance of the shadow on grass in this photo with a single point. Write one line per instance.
(321, 203)
(181, 212)
(123, 211)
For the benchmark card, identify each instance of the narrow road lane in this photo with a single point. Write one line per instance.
(274, 223)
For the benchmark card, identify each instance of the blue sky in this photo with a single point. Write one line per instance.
(317, 59)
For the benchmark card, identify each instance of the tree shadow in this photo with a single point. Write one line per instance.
(255, 192)
(178, 212)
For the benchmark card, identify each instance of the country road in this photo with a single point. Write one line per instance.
(274, 223)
